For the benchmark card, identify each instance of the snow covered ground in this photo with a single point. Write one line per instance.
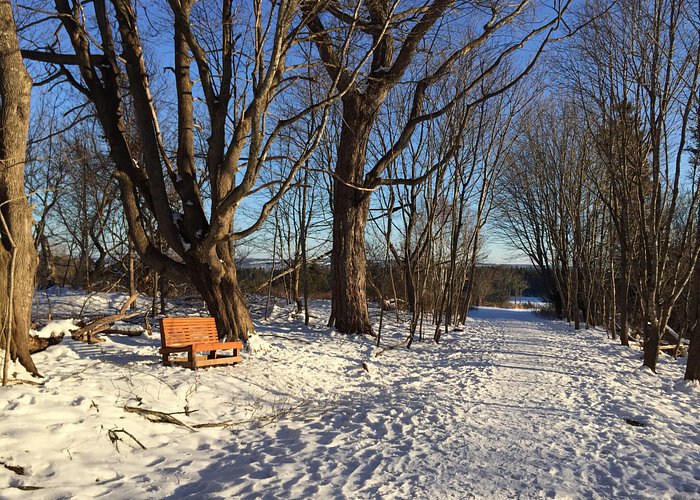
(512, 406)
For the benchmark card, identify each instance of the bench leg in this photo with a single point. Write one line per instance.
(191, 359)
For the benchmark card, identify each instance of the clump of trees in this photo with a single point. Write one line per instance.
(603, 189)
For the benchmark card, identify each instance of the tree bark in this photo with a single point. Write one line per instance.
(692, 369)
(132, 274)
(46, 265)
(652, 339)
(225, 300)
(16, 285)
(349, 265)
(350, 214)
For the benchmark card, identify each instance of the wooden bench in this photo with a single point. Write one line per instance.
(192, 336)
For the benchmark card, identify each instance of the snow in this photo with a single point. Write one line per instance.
(56, 328)
(511, 406)
(257, 345)
(528, 300)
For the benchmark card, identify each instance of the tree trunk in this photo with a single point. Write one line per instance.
(575, 281)
(163, 285)
(46, 266)
(132, 274)
(622, 297)
(613, 298)
(218, 286)
(350, 212)
(409, 279)
(558, 304)
(692, 369)
(302, 243)
(472, 272)
(155, 275)
(349, 263)
(575, 309)
(16, 285)
(652, 339)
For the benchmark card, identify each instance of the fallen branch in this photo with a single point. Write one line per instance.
(284, 337)
(158, 417)
(114, 438)
(20, 381)
(297, 412)
(225, 423)
(87, 333)
(123, 332)
(293, 411)
(17, 469)
(38, 344)
(401, 343)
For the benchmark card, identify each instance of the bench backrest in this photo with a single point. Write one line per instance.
(177, 332)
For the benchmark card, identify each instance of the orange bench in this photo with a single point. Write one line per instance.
(192, 336)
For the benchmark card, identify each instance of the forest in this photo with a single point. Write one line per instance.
(158, 148)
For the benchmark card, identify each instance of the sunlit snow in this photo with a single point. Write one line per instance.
(512, 405)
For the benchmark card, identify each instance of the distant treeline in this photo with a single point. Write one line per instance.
(493, 285)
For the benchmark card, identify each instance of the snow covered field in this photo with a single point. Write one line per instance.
(513, 406)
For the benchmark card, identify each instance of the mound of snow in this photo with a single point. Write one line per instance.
(256, 345)
(64, 326)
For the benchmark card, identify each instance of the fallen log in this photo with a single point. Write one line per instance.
(157, 416)
(88, 331)
(38, 344)
(126, 329)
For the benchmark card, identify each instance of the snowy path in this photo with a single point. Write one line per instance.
(549, 419)
(513, 406)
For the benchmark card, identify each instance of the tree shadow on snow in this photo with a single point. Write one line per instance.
(120, 351)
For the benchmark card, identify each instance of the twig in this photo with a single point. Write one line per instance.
(17, 469)
(294, 411)
(78, 372)
(187, 412)
(19, 381)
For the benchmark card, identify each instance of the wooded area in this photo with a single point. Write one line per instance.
(169, 147)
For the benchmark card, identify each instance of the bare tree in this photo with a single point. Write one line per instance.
(398, 43)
